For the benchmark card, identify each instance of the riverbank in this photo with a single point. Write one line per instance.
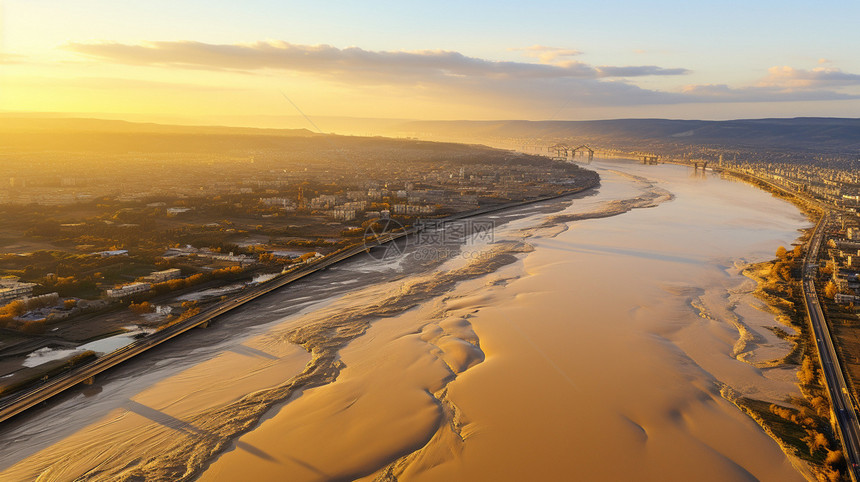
(801, 425)
(15, 401)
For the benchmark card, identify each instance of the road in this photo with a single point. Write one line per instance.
(840, 398)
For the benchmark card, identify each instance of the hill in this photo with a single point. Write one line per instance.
(96, 135)
(797, 138)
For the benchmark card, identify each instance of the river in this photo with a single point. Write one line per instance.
(587, 337)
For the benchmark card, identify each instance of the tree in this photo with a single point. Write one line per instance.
(830, 289)
(807, 373)
(834, 458)
(781, 252)
(16, 308)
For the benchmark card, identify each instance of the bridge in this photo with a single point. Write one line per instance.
(654, 159)
(564, 152)
(650, 159)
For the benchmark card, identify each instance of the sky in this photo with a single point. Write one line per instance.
(251, 62)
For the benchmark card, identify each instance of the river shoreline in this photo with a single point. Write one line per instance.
(76, 364)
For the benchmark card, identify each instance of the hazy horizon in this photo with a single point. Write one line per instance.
(477, 61)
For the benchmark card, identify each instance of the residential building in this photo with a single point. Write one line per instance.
(11, 289)
(165, 275)
(128, 290)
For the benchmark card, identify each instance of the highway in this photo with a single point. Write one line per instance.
(21, 401)
(840, 398)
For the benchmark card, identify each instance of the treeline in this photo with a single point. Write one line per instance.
(9, 312)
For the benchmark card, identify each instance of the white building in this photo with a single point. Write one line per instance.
(412, 209)
(165, 275)
(11, 289)
(115, 252)
(128, 290)
(284, 203)
(175, 211)
(343, 214)
(323, 202)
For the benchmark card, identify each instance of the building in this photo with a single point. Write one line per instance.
(356, 195)
(162, 276)
(128, 290)
(11, 289)
(282, 202)
(412, 209)
(845, 299)
(323, 202)
(114, 252)
(343, 214)
(175, 211)
(853, 234)
(357, 205)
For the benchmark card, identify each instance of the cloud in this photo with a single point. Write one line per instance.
(330, 61)
(430, 74)
(451, 77)
(789, 78)
(761, 93)
(544, 54)
(638, 71)
(784, 83)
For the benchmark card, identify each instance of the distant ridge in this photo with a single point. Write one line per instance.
(18, 123)
(97, 135)
(807, 134)
(824, 140)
